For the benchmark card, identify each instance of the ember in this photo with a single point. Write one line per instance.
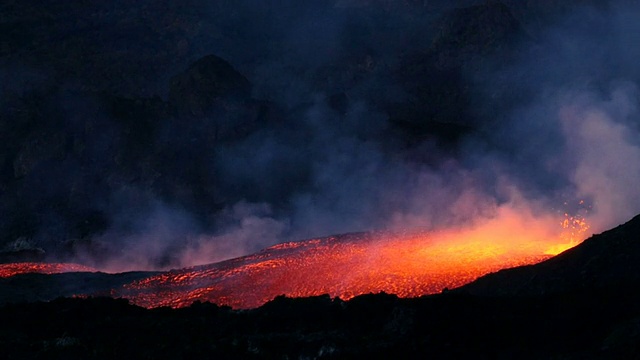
(575, 228)
(7, 270)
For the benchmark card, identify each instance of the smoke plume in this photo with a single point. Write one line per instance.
(554, 134)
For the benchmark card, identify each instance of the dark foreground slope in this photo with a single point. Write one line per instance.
(611, 259)
(589, 310)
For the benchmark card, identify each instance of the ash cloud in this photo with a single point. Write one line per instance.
(603, 138)
(547, 120)
(579, 127)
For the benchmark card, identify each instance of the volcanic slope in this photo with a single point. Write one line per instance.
(583, 305)
(408, 265)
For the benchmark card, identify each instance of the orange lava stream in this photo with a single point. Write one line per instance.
(406, 264)
(12, 269)
(344, 266)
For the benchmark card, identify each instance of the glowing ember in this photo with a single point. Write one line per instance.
(7, 270)
(575, 228)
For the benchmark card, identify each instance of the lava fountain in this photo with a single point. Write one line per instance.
(408, 264)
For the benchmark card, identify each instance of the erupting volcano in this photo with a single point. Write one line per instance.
(408, 264)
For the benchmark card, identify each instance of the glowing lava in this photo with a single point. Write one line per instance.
(11, 269)
(406, 264)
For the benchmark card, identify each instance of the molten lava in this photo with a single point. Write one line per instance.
(7, 270)
(408, 265)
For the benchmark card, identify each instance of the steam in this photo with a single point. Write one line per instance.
(604, 143)
(571, 146)
(567, 150)
(249, 228)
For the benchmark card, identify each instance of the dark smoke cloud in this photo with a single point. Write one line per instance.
(575, 133)
(554, 127)
(531, 152)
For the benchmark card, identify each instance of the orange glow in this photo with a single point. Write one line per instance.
(574, 230)
(407, 264)
(7, 270)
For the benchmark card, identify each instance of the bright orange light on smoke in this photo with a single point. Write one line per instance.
(574, 228)
(407, 264)
(12, 269)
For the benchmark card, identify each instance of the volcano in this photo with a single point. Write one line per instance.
(476, 141)
(408, 264)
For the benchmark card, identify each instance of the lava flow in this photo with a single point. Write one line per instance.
(12, 269)
(405, 264)
(408, 264)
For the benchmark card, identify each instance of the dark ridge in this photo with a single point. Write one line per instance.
(576, 325)
(45, 287)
